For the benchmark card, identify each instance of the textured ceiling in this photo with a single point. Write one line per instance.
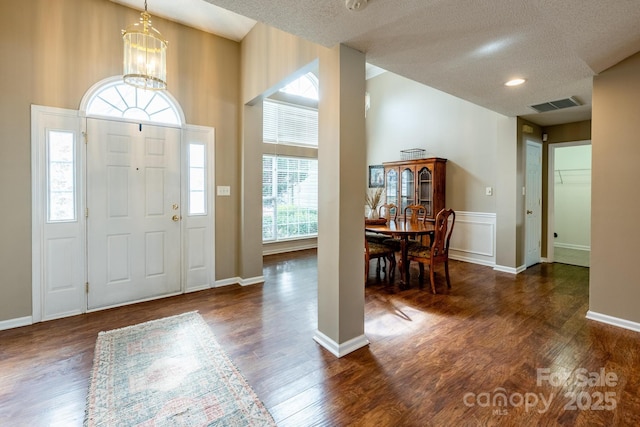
(469, 48)
(197, 14)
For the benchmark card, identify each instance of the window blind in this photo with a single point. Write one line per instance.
(289, 197)
(289, 124)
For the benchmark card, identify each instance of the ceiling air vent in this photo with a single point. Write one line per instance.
(556, 105)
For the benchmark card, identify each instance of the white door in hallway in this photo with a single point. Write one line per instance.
(533, 204)
(133, 223)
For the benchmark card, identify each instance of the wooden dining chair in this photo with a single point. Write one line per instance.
(374, 250)
(415, 213)
(389, 211)
(438, 252)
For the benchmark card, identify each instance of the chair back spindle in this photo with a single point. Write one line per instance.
(416, 212)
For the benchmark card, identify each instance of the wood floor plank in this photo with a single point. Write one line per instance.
(430, 362)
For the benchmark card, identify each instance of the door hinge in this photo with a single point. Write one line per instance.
(86, 138)
(86, 287)
(86, 212)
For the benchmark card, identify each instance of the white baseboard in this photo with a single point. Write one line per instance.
(15, 323)
(288, 246)
(238, 281)
(511, 270)
(227, 282)
(340, 350)
(252, 281)
(471, 260)
(196, 289)
(571, 246)
(615, 321)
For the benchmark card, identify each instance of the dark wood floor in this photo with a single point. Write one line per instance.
(441, 360)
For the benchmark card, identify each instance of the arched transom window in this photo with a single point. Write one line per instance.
(118, 99)
(305, 86)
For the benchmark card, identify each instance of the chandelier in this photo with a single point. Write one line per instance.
(145, 55)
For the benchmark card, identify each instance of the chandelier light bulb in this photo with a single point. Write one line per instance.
(145, 55)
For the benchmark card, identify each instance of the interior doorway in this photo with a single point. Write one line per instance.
(569, 224)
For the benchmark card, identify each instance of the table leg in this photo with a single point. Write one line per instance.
(404, 268)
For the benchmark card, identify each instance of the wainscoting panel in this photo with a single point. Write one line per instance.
(474, 238)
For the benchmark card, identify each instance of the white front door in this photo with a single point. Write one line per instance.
(133, 222)
(533, 203)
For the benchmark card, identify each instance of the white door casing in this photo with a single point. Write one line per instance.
(551, 214)
(533, 203)
(197, 227)
(59, 260)
(134, 214)
(58, 268)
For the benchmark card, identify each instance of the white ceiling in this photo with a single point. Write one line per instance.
(198, 14)
(467, 48)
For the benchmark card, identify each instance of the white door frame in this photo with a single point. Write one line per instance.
(551, 218)
(41, 118)
(198, 239)
(528, 230)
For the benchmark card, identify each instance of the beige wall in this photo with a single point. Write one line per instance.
(341, 163)
(569, 132)
(271, 58)
(507, 194)
(481, 147)
(52, 52)
(614, 287)
(405, 114)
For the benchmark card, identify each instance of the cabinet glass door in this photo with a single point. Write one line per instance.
(407, 189)
(425, 190)
(392, 187)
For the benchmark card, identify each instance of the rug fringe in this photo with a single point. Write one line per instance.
(124, 328)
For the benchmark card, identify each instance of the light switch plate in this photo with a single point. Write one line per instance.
(223, 190)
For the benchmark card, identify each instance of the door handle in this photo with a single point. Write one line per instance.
(529, 212)
(175, 218)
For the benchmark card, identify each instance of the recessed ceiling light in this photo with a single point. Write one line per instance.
(515, 82)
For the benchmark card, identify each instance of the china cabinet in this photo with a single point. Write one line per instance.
(420, 181)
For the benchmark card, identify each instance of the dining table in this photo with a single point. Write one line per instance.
(403, 230)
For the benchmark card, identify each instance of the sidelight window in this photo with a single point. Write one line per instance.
(61, 178)
(197, 180)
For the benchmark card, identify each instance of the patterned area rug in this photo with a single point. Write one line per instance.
(168, 372)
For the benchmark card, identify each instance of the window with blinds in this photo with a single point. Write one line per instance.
(289, 124)
(289, 197)
(290, 184)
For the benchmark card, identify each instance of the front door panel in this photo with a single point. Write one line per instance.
(133, 197)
